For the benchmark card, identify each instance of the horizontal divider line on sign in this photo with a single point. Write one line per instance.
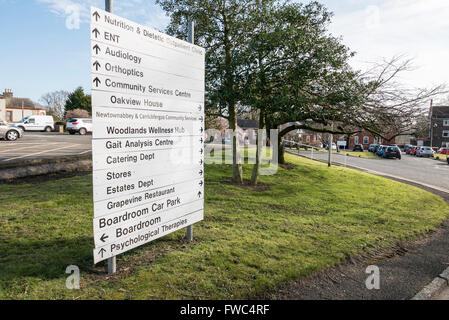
(105, 229)
(136, 52)
(144, 150)
(148, 190)
(131, 65)
(145, 137)
(144, 95)
(120, 211)
(143, 231)
(123, 77)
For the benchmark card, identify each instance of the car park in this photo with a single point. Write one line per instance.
(407, 147)
(443, 151)
(358, 147)
(392, 152)
(36, 123)
(372, 147)
(78, 125)
(425, 152)
(410, 150)
(8, 132)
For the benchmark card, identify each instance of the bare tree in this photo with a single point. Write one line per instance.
(55, 102)
(390, 108)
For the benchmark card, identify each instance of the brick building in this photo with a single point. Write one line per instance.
(14, 109)
(439, 126)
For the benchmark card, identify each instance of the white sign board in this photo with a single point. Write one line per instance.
(148, 134)
(341, 143)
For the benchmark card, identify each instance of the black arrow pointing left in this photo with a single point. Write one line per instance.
(104, 237)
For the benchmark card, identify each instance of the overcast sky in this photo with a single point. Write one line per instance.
(44, 48)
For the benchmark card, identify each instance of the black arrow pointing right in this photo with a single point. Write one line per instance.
(201, 172)
(97, 49)
(97, 65)
(96, 15)
(201, 183)
(102, 251)
(97, 81)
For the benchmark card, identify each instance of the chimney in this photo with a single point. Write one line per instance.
(7, 93)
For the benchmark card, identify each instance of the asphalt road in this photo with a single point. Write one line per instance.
(40, 145)
(422, 170)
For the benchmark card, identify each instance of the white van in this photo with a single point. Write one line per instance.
(36, 123)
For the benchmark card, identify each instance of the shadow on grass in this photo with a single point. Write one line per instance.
(45, 260)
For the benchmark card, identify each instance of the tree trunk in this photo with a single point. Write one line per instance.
(255, 174)
(281, 158)
(237, 174)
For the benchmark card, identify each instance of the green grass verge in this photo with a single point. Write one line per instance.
(441, 157)
(302, 220)
(365, 155)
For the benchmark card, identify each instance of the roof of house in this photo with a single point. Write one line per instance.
(16, 103)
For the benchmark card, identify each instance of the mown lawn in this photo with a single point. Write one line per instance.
(302, 220)
(366, 154)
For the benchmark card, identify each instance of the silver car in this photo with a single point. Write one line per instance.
(425, 152)
(9, 133)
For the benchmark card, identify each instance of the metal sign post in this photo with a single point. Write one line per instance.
(112, 261)
(191, 39)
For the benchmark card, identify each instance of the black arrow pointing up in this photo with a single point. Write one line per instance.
(104, 237)
(199, 194)
(201, 140)
(97, 65)
(102, 251)
(97, 81)
(201, 151)
(97, 48)
(96, 15)
(201, 129)
(96, 32)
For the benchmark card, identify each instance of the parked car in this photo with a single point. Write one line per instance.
(9, 133)
(414, 150)
(358, 147)
(36, 123)
(81, 126)
(392, 152)
(425, 152)
(443, 151)
(410, 149)
(376, 148)
(334, 146)
(407, 147)
(372, 147)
